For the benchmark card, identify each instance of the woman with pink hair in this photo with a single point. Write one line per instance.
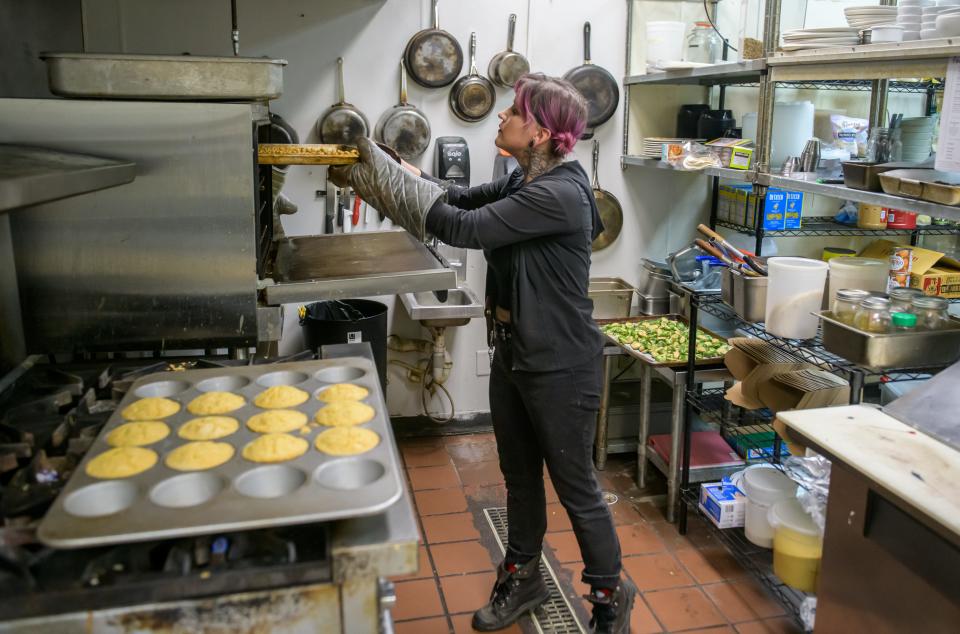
(535, 227)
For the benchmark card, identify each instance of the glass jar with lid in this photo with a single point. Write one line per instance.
(932, 312)
(901, 299)
(703, 44)
(873, 315)
(846, 302)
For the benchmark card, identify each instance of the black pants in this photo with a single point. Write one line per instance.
(551, 417)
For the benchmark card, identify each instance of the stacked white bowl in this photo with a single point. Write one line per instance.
(916, 135)
(948, 18)
(910, 17)
(928, 21)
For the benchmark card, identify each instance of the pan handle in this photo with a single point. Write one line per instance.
(511, 31)
(596, 162)
(436, 15)
(473, 54)
(586, 42)
(403, 83)
(340, 96)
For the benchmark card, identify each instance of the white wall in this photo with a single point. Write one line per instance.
(660, 209)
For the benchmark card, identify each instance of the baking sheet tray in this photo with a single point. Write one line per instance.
(163, 503)
(642, 356)
(164, 77)
(306, 154)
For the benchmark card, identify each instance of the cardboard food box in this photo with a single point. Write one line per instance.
(733, 153)
(754, 362)
(732, 202)
(803, 389)
(931, 271)
(724, 504)
(782, 209)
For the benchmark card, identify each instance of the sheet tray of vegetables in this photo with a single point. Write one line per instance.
(662, 340)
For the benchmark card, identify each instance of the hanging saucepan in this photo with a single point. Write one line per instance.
(596, 85)
(342, 123)
(508, 66)
(611, 213)
(434, 57)
(473, 96)
(404, 127)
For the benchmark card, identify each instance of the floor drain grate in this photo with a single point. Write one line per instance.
(555, 616)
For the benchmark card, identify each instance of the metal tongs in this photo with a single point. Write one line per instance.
(746, 263)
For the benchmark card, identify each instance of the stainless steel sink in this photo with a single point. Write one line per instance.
(461, 305)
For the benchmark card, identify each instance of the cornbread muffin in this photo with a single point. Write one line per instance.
(280, 396)
(275, 448)
(345, 413)
(136, 434)
(213, 403)
(208, 428)
(198, 456)
(121, 462)
(347, 441)
(277, 421)
(151, 408)
(343, 392)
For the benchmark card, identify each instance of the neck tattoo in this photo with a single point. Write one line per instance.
(535, 163)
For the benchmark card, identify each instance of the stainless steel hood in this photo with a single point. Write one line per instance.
(353, 265)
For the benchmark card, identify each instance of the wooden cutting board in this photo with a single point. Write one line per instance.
(306, 154)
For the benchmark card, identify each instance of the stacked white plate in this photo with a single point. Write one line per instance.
(863, 17)
(652, 147)
(928, 21)
(803, 39)
(916, 135)
(910, 17)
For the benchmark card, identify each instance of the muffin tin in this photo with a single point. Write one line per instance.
(163, 503)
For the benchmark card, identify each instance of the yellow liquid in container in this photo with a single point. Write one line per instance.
(797, 545)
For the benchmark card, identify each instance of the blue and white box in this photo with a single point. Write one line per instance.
(723, 503)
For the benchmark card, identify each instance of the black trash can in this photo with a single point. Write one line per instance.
(348, 321)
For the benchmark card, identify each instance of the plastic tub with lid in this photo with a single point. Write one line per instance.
(797, 545)
(763, 487)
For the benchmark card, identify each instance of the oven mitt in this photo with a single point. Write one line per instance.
(391, 189)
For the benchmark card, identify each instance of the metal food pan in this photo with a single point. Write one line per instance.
(163, 503)
(612, 297)
(882, 351)
(642, 356)
(926, 184)
(164, 77)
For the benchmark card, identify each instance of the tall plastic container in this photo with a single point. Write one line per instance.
(792, 128)
(797, 545)
(866, 274)
(665, 41)
(348, 321)
(794, 292)
(763, 487)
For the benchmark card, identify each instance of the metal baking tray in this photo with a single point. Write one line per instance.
(162, 503)
(647, 358)
(306, 154)
(926, 184)
(164, 77)
(876, 351)
(864, 174)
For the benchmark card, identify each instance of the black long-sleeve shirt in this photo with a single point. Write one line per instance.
(544, 229)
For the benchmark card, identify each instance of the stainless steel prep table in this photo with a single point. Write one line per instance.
(676, 378)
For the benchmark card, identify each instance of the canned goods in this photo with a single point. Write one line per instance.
(901, 263)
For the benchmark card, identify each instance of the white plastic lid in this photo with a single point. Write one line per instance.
(766, 486)
(789, 514)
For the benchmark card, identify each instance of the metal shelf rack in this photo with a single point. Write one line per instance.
(743, 176)
(756, 560)
(822, 226)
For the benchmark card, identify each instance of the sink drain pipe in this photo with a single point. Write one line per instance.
(430, 372)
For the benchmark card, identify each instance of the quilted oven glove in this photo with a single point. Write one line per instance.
(392, 190)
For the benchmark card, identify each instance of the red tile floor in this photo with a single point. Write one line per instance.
(687, 583)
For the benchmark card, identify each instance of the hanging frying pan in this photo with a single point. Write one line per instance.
(611, 213)
(434, 57)
(342, 123)
(597, 86)
(473, 96)
(508, 66)
(404, 127)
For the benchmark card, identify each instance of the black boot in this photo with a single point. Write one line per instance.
(514, 594)
(611, 612)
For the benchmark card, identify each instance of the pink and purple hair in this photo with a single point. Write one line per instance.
(555, 105)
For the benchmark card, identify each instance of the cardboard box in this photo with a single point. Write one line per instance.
(931, 271)
(782, 209)
(733, 153)
(724, 504)
(732, 202)
(755, 442)
(793, 216)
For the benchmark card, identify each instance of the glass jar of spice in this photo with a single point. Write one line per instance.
(932, 312)
(846, 302)
(873, 315)
(901, 299)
